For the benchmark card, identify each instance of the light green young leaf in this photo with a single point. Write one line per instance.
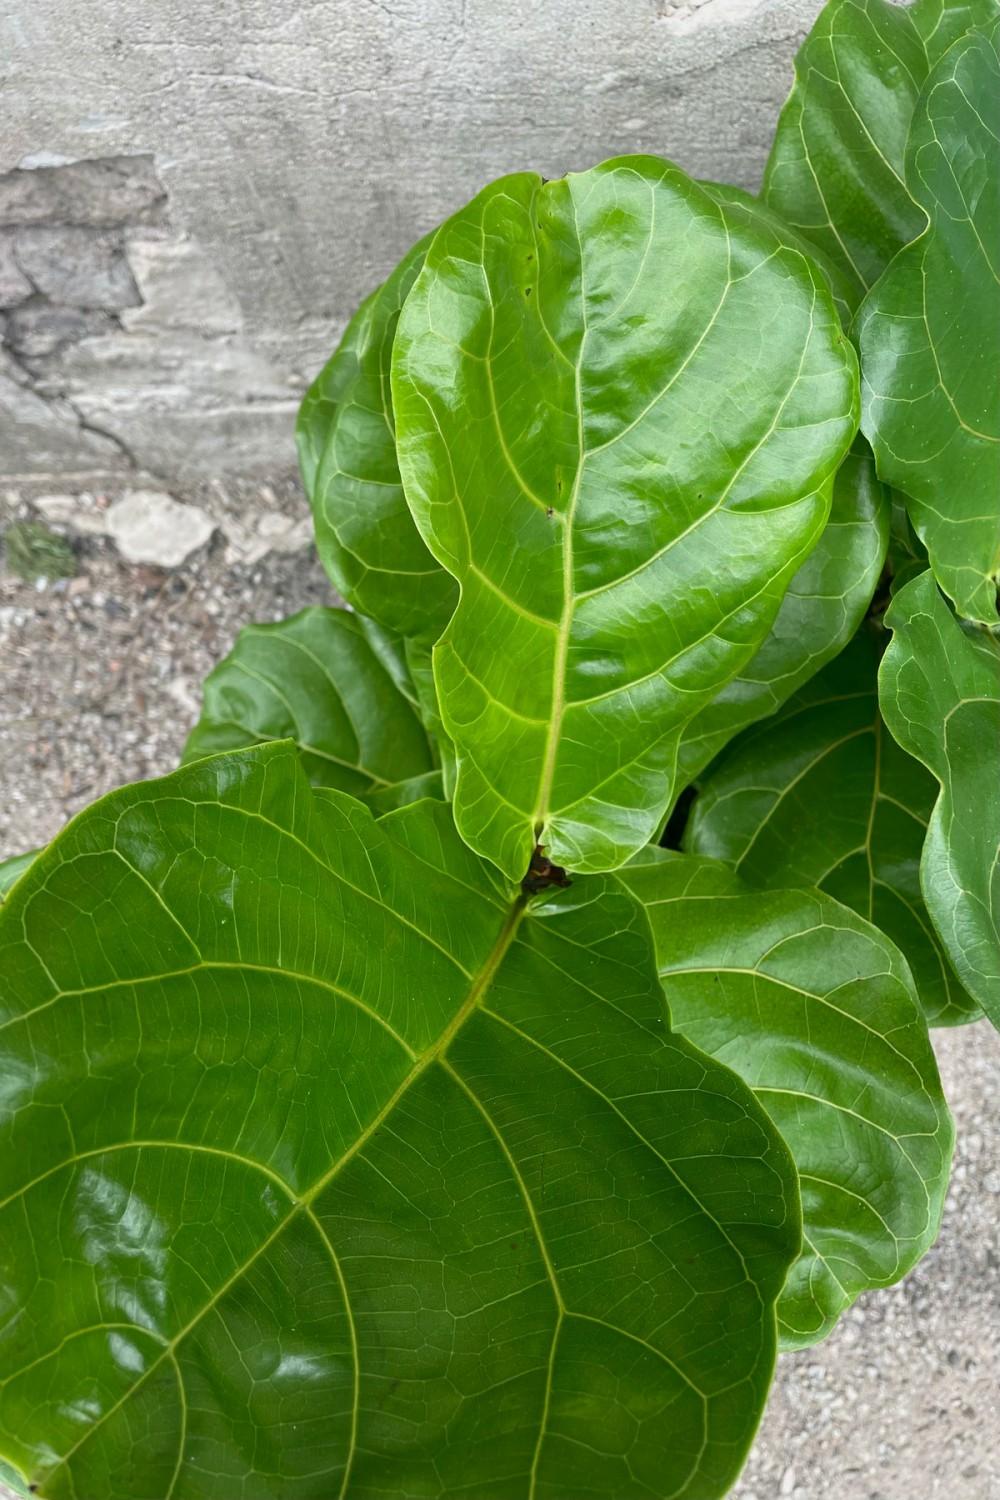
(315, 679)
(824, 605)
(815, 1009)
(12, 869)
(347, 453)
(332, 1169)
(939, 686)
(751, 209)
(827, 598)
(835, 171)
(13, 1481)
(928, 332)
(822, 796)
(623, 469)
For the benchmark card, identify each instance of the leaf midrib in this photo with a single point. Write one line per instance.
(304, 1203)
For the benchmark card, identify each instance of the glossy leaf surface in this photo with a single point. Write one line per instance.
(928, 332)
(816, 1010)
(939, 686)
(825, 603)
(829, 594)
(836, 168)
(315, 679)
(347, 453)
(621, 467)
(822, 796)
(330, 1169)
(742, 204)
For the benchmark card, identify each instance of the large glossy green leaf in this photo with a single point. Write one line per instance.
(332, 1169)
(815, 1009)
(742, 204)
(315, 679)
(928, 332)
(347, 453)
(939, 686)
(822, 796)
(829, 594)
(617, 406)
(836, 171)
(824, 605)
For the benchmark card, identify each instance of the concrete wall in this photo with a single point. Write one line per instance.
(195, 194)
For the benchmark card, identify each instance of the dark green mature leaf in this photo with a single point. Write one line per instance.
(315, 679)
(825, 603)
(816, 1010)
(347, 453)
(330, 1169)
(402, 793)
(822, 796)
(623, 467)
(835, 171)
(939, 686)
(928, 332)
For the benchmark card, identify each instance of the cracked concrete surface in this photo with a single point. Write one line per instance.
(199, 196)
(123, 349)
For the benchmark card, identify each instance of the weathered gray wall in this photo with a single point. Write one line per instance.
(164, 312)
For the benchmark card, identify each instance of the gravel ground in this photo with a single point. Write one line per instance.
(100, 678)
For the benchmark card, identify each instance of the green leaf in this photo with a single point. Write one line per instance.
(315, 679)
(815, 1009)
(331, 1168)
(12, 869)
(623, 468)
(402, 793)
(835, 171)
(347, 453)
(927, 332)
(755, 210)
(939, 687)
(827, 598)
(822, 796)
(824, 605)
(13, 1481)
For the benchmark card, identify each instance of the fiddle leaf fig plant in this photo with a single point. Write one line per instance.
(932, 395)
(509, 1027)
(815, 1009)
(571, 450)
(821, 795)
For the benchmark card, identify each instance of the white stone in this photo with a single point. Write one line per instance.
(151, 527)
(74, 512)
(270, 532)
(186, 693)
